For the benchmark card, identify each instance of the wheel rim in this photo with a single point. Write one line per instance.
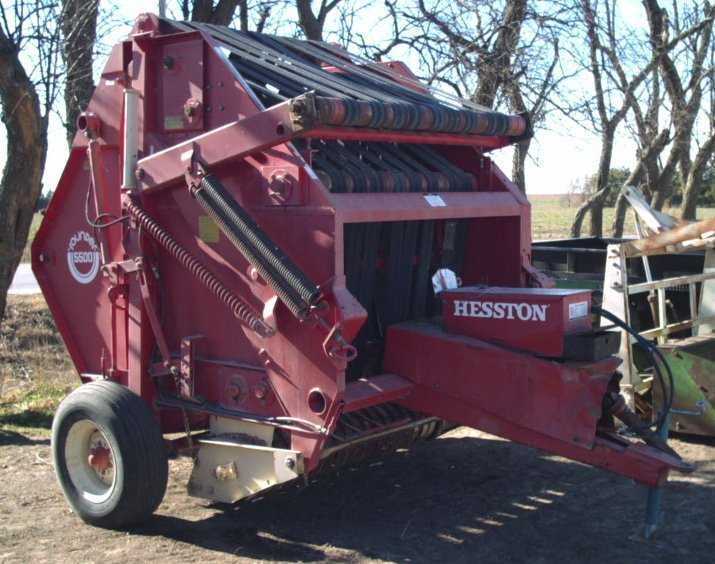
(90, 461)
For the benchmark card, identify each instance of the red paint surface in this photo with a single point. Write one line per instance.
(465, 313)
(106, 326)
(549, 405)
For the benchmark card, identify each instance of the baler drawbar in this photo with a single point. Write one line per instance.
(275, 257)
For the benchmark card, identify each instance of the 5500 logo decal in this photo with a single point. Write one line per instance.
(83, 257)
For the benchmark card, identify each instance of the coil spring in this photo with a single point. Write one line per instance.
(240, 309)
(287, 280)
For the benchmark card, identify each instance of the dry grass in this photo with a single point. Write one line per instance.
(36, 219)
(35, 370)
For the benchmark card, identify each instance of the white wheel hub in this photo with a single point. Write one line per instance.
(90, 461)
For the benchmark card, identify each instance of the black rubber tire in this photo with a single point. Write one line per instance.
(140, 462)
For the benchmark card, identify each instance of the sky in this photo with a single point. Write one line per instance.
(559, 156)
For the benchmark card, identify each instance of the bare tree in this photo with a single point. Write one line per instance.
(650, 140)
(703, 156)
(27, 29)
(205, 11)
(501, 55)
(313, 23)
(606, 63)
(484, 51)
(684, 89)
(489, 53)
(603, 56)
(529, 94)
(78, 22)
(682, 73)
(252, 15)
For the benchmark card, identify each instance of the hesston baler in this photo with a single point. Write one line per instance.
(240, 258)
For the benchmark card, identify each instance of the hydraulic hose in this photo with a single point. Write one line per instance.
(655, 356)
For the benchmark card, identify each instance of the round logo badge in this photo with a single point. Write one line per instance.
(83, 257)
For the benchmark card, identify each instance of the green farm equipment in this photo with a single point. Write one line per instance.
(663, 284)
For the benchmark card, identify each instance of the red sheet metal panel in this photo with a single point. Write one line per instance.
(378, 389)
(530, 319)
(180, 76)
(545, 404)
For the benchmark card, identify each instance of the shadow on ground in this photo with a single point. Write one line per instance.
(9, 437)
(463, 499)
(28, 418)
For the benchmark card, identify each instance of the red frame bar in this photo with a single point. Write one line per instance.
(234, 140)
(395, 136)
(357, 208)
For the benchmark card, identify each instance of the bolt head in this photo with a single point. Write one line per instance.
(260, 391)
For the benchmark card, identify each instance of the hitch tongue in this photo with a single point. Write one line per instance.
(616, 404)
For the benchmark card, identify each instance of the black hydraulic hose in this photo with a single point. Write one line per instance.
(655, 355)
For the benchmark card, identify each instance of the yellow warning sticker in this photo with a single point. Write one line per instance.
(173, 122)
(208, 230)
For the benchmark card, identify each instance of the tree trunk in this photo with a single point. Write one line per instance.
(694, 181)
(634, 179)
(496, 67)
(596, 226)
(645, 169)
(518, 170)
(661, 193)
(243, 14)
(619, 220)
(21, 182)
(79, 31)
(663, 188)
(688, 208)
(580, 215)
(594, 204)
(311, 24)
(222, 14)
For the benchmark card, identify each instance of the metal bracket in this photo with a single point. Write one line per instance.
(195, 168)
(337, 348)
(114, 271)
(152, 315)
(186, 380)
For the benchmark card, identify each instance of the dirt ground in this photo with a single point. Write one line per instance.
(465, 497)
